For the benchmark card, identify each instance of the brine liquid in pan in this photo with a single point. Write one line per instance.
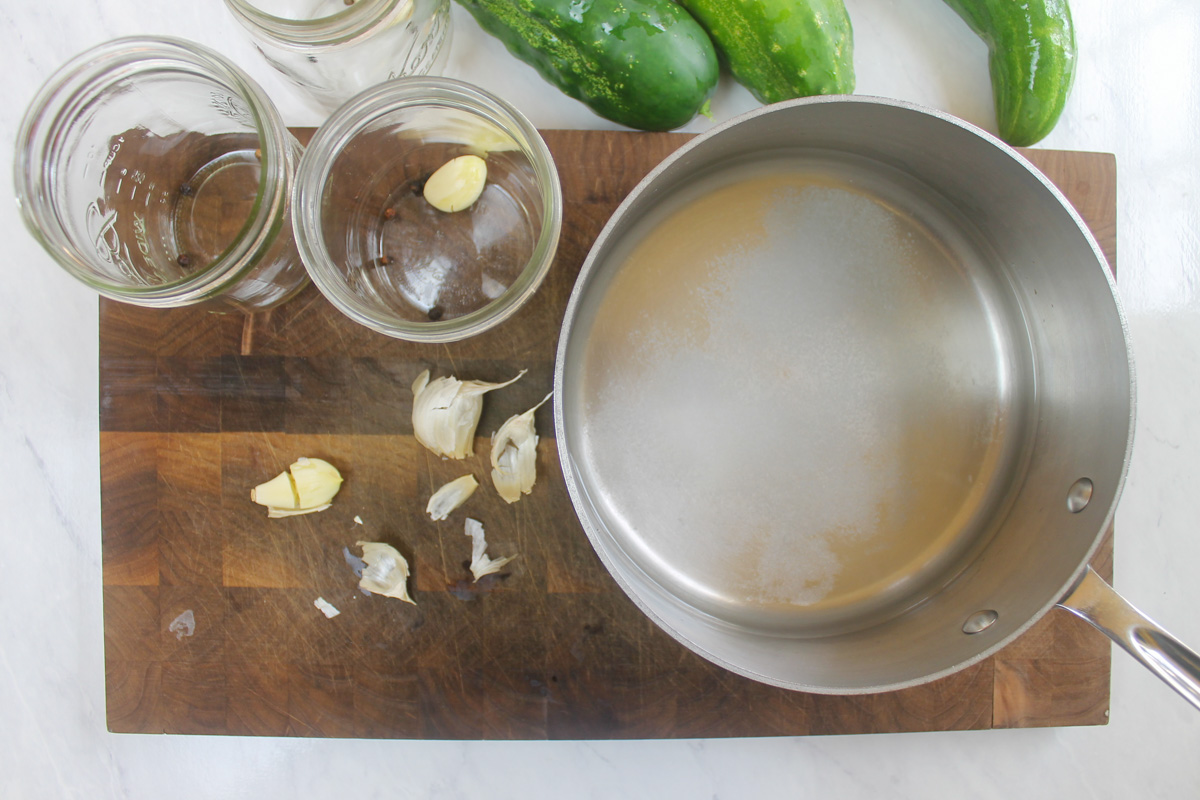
(800, 393)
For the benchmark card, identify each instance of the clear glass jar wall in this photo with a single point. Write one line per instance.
(157, 173)
(333, 49)
(383, 254)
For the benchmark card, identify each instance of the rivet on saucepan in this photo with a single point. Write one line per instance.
(1079, 495)
(980, 621)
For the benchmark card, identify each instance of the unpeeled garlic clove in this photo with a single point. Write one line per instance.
(456, 184)
(307, 486)
(446, 412)
(480, 563)
(450, 497)
(386, 571)
(514, 455)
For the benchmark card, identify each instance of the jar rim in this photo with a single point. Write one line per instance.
(355, 20)
(61, 101)
(357, 114)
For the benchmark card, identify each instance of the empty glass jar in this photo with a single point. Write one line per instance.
(159, 174)
(333, 49)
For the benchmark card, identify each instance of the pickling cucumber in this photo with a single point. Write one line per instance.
(642, 63)
(780, 49)
(1031, 58)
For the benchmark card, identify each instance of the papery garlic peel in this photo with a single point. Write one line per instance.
(325, 607)
(514, 455)
(450, 497)
(386, 571)
(307, 486)
(446, 412)
(480, 563)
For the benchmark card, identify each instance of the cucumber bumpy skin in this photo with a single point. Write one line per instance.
(1031, 57)
(642, 63)
(781, 49)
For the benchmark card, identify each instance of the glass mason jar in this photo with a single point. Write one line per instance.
(333, 49)
(157, 173)
(380, 250)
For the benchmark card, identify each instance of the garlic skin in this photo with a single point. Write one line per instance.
(480, 563)
(450, 497)
(307, 486)
(386, 571)
(514, 455)
(325, 607)
(280, 513)
(446, 413)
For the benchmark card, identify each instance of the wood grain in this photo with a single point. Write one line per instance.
(195, 408)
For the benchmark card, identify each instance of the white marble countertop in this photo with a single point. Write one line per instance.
(1137, 95)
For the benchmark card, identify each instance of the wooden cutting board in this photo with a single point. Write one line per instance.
(196, 408)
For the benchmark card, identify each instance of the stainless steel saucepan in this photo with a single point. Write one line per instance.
(844, 400)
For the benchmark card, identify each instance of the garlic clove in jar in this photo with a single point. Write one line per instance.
(386, 571)
(457, 184)
(450, 497)
(481, 564)
(307, 486)
(446, 412)
(514, 455)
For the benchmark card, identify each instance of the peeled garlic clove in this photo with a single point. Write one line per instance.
(451, 496)
(446, 412)
(514, 455)
(306, 487)
(386, 571)
(316, 481)
(456, 184)
(279, 492)
(480, 563)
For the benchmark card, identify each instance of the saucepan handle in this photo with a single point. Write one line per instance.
(1167, 657)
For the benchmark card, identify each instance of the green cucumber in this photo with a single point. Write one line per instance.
(643, 63)
(1031, 57)
(780, 49)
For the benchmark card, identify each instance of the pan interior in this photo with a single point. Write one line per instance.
(800, 389)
